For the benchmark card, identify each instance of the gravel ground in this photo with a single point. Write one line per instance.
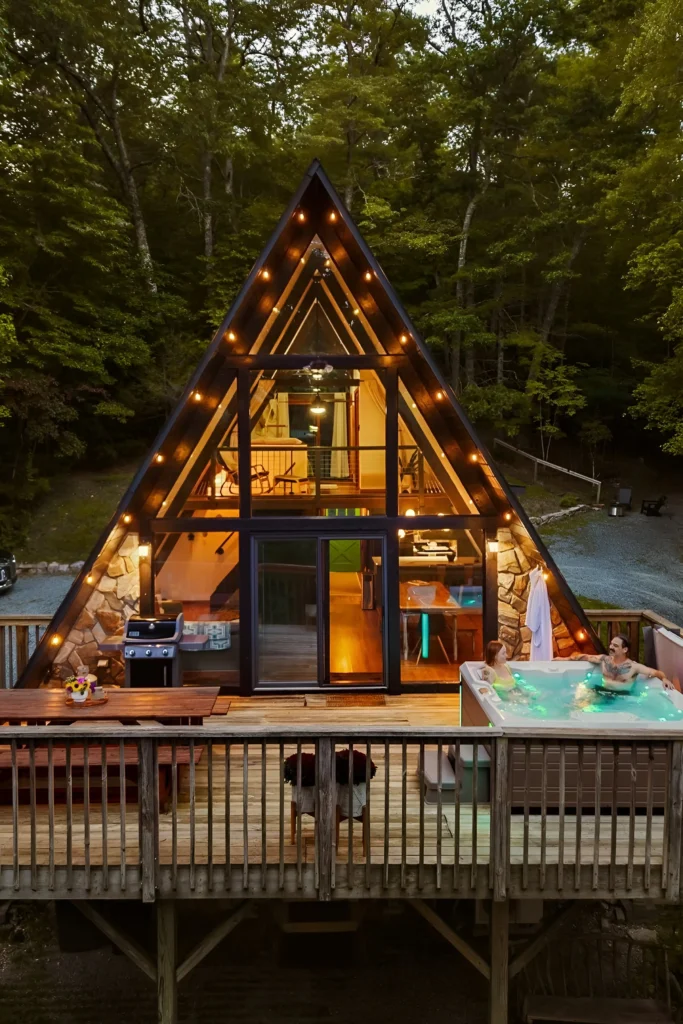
(35, 595)
(630, 562)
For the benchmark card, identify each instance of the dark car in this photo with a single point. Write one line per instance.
(8, 571)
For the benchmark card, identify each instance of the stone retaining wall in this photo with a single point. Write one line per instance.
(115, 597)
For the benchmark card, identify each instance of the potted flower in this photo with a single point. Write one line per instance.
(79, 688)
(358, 782)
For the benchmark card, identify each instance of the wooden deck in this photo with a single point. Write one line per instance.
(234, 799)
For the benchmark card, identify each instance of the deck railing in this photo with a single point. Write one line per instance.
(19, 635)
(200, 812)
(631, 622)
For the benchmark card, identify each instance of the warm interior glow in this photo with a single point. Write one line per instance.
(493, 547)
(144, 550)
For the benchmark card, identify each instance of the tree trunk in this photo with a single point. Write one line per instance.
(131, 192)
(460, 294)
(556, 292)
(207, 159)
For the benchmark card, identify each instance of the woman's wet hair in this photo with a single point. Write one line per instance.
(624, 639)
(492, 649)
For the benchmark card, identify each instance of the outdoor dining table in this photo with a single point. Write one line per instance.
(425, 599)
(170, 706)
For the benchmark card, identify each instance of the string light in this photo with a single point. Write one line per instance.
(127, 518)
(88, 578)
(368, 275)
(276, 309)
(301, 216)
(439, 396)
(159, 458)
(546, 576)
(328, 262)
(265, 274)
(55, 640)
(356, 312)
(333, 216)
(302, 260)
(197, 396)
(403, 339)
(581, 635)
(232, 336)
(474, 457)
(507, 516)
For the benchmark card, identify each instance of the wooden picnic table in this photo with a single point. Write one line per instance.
(172, 706)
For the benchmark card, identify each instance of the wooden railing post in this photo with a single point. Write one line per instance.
(674, 812)
(148, 820)
(326, 810)
(500, 819)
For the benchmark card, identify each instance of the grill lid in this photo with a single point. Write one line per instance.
(168, 628)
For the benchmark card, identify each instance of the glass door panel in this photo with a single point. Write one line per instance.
(287, 645)
(355, 623)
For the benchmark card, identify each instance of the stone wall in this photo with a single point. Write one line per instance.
(517, 556)
(115, 597)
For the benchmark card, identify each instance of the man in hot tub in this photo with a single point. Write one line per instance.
(618, 670)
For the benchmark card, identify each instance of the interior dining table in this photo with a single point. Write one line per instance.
(168, 706)
(426, 599)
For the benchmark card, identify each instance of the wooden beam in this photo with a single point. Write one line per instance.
(211, 940)
(449, 935)
(122, 941)
(167, 939)
(555, 925)
(499, 984)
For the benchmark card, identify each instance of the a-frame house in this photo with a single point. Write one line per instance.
(318, 504)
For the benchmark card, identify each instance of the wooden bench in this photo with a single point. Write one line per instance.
(113, 765)
(580, 1010)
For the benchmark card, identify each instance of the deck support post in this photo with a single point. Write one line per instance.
(326, 817)
(499, 983)
(167, 954)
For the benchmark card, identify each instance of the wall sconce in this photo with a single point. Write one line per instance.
(144, 550)
(492, 546)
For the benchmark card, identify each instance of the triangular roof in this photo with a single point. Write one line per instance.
(357, 311)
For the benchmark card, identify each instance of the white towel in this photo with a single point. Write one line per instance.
(538, 618)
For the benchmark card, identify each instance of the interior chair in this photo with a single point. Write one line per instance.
(436, 625)
(260, 478)
(288, 479)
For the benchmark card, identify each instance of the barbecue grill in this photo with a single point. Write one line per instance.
(150, 650)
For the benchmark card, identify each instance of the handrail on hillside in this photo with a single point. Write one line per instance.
(550, 465)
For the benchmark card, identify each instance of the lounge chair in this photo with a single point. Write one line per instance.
(625, 497)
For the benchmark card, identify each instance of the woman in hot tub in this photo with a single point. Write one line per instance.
(618, 670)
(496, 670)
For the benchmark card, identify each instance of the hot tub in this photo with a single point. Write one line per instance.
(559, 697)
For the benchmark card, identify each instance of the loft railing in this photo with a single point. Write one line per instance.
(19, 635)
(190, 812)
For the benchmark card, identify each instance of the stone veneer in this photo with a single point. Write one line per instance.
(517, 555)
(115, 597)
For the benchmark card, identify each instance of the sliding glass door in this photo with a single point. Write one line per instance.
(319, 618)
